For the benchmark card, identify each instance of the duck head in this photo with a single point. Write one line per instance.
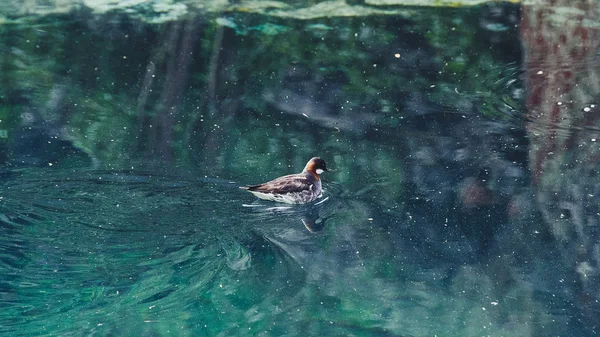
(315, 165)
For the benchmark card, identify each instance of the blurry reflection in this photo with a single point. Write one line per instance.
(561, 40)
(175, 56)
(310, 215)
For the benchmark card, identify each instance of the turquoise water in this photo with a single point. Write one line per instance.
(463, 199)
(135, 253)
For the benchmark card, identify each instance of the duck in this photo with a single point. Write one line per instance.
(300, 188)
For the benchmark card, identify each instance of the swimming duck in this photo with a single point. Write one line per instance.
(298, 188)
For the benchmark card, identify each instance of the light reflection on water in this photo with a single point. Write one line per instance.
(135, 253)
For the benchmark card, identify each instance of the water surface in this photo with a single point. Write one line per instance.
(464, 200)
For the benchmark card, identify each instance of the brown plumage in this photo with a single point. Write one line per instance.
(294, 188)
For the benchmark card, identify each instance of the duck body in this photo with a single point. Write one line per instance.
(298, 188)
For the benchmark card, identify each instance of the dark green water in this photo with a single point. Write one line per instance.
(464, 201)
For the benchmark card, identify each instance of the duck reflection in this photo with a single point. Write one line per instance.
(312, 216)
